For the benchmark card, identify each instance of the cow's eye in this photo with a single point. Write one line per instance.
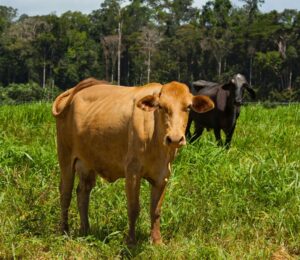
(188, 109)
(164, 109)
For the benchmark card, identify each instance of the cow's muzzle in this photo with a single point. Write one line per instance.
(176, 141)
(238, 102)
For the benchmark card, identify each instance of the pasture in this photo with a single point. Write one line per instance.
(242, 203)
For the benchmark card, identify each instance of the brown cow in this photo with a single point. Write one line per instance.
(120, 132)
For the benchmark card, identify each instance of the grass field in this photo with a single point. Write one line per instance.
(243, 203)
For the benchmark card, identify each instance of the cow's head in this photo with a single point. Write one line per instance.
(172, 106)
(234, 90)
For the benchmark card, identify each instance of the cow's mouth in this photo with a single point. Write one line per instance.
(238, 103)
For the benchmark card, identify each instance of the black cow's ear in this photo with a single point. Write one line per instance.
(202, 104)
(251, 92)
(148, 103)
(222, 99)
(228, 85)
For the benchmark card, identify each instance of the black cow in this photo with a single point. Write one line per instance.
(228, 99)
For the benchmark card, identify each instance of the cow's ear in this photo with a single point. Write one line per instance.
(202, 104)
(148, 103)
(251, 91)
(222, 99)
(229, 85)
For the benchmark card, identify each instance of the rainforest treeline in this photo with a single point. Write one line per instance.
(154, 40)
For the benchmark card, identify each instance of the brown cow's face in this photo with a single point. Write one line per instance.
(173, 105)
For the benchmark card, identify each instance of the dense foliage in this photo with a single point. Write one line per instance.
(29, 92)
(236, 204)
(160, 41)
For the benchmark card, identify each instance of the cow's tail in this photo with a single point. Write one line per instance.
(65, 98)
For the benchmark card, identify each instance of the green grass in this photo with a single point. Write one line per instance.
(243, 203)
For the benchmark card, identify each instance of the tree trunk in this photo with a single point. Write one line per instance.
(219, 67)
(119, 48)
(106, 66)
(149, 66)
(112, 73)
(281, 82)
(290, 80)
(128, 70)
(106, 69)
(113, 65)
(250, 71)
(44, 73)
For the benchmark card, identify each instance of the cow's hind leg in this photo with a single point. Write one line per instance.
(87, 180)
(65, 188)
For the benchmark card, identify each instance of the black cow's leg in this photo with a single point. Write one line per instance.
(132, 192)
(217, 132)
(229, 135)
(157, 196)
(198, 132)
(187, 130)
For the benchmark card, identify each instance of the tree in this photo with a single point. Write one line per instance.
(110, 46)
(270, 64)
(79, 53)
(217, 35)
(150, 37)
(252, 8)
(20, 40)
(159, 40)
(7, 15)
(104, 21)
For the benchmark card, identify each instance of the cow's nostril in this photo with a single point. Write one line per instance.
(181, 139)
(168, 140)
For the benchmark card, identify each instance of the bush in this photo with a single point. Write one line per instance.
(29, 92)
(286, 95)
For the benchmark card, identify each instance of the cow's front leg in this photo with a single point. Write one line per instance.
(229, 135)
(157, 196)
(217, 132)
(198, 132)
(188, 126)
(133, 206)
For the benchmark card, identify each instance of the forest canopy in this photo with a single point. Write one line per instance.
(156, 41)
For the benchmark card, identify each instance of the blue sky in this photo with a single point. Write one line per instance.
(40, 7)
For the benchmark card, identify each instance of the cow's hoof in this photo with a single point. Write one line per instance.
(131, 242)
(64, 229)
(157, 242)
(83, 232)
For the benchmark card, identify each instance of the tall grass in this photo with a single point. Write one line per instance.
(241, 203)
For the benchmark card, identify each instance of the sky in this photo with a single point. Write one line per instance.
(40, 7)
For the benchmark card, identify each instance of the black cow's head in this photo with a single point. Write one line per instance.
(233, 92)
